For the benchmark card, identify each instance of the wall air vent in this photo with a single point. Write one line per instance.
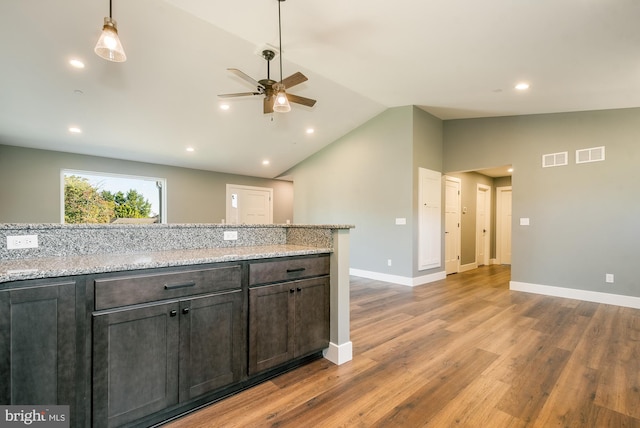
(555, 159)
(594, 154)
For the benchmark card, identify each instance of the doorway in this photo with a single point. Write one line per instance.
(249, 205)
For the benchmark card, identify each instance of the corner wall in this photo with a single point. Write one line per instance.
(368, 178)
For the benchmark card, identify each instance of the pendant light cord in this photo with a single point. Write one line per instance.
(280, 36)
(110, 16)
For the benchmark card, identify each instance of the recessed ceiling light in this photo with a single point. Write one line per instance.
(522, 86)
(265, 162)
(75, 130)
(224, 106)
(310, 130)
(76, 63)
(191, 149)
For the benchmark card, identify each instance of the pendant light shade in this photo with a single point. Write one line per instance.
(109, 46)
(281, 103)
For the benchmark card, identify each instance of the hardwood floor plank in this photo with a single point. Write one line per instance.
(476, 405)
(425, 403)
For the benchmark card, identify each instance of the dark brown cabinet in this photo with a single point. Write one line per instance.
(38, 352)
(151, 356)
(288, 319)
(136, 348)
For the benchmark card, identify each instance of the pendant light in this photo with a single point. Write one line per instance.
(109, 46)
(281, 103)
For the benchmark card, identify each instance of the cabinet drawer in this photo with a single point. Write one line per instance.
(287, 269)
(141, 288)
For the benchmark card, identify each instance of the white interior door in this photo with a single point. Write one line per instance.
(483, 224)
(249, 205)
(430, 221)
(452, 225)
(503, 225)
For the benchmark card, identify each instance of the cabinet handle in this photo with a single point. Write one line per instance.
(183, 285)
(291, 290)
(295, 270)
(173, 313)
(299, 289)
(185, 311)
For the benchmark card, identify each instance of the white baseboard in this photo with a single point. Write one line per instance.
(397, 279)
(571, 293)
(468, 266)
(339, 354)
(493, 261)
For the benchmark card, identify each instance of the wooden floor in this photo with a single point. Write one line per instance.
(463, 352)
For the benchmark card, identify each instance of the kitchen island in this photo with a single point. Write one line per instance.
(89, 281)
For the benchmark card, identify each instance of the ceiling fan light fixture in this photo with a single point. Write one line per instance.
(109, 46)
(281, 103)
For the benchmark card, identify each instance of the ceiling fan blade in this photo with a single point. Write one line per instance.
(245, 77)
(238, 94)
(294, 80)
(267, 105)
(300, 100)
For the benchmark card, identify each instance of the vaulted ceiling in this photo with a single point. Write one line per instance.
(455, 59)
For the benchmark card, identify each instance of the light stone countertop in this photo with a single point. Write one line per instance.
(48, 267)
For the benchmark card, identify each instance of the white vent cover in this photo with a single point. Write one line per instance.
(555, 159)
(594, 154)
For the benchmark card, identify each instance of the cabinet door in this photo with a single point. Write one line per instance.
(38, 345)
(212, 343)
(271, 314)
(312, 316)
(135, 363)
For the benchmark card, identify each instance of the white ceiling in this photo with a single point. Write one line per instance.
(454, 59)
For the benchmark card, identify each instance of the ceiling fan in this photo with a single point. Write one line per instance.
(275, 96)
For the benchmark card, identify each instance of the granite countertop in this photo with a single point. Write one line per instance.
(47, 267)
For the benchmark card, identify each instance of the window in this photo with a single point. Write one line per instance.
(96, 197)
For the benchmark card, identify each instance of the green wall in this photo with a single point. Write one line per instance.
(368, 178)
(30, 186)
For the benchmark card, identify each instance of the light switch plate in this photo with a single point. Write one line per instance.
(230, 235)
(524, 221)
(401, 221)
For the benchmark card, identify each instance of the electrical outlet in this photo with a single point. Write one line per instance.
(608, 278)
(230, 235)
(22, 241)
(389, 262)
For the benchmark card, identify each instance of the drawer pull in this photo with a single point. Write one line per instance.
(291, 290)
(175, 286)
(295, 270)
(173, 313)
(185, 311)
